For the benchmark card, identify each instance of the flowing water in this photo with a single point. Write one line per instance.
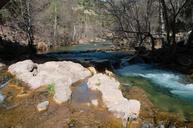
(168, 90)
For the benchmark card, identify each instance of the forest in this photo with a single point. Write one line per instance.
(70, 21)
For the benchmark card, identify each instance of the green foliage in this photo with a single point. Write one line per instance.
(4, 15)
(72, 122)
(51, 88)
(86, 3)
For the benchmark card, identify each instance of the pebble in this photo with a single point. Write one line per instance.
(42, 106)
(94, 102)
(2, 97)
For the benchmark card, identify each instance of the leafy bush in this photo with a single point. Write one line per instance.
(51, 88)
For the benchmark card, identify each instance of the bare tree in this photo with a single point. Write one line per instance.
(133, 19)
(26, 13)
(171, 11)
(3, 3)
(55, 13)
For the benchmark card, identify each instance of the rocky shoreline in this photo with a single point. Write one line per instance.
(150, 115)
(35, 76)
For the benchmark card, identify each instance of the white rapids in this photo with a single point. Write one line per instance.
(174, 82)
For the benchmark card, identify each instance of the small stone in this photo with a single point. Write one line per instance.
(147, 125)
(2, 97)
(81, 111)
(88, 104)
(109, 73)
(161, 126)
(92, 70)
(71, 125)
(42, 106)
(94, 102)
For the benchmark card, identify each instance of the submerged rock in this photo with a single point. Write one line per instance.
(147, 125)
(42, 106)
(2, 97)
(60, 74)
(113, 98)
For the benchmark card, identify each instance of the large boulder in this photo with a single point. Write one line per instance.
(42, 47)
(113, 98)
(59, 74)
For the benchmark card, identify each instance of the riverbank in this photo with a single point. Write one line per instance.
(152, 112)
(19, 98)
(19, 110)
(21, 101)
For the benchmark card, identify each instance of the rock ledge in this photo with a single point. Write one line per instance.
(60, 74)
(113, 98)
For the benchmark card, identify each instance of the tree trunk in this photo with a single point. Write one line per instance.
(165, 13)
(55, 22)
(190, 37)
(29, 32)
(173, 28)
(139, 35)
(74, 33)
(162, 26)
(2, 29)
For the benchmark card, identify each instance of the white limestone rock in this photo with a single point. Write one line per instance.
(62, 91)
(92, 70)
(61, 74)
(113, 98)
(94, 102)
(43, 106)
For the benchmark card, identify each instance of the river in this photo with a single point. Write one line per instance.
(170, 91)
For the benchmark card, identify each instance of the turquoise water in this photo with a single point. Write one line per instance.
(85, 47)
(175, 83)
(87, 52)
(169, 91)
